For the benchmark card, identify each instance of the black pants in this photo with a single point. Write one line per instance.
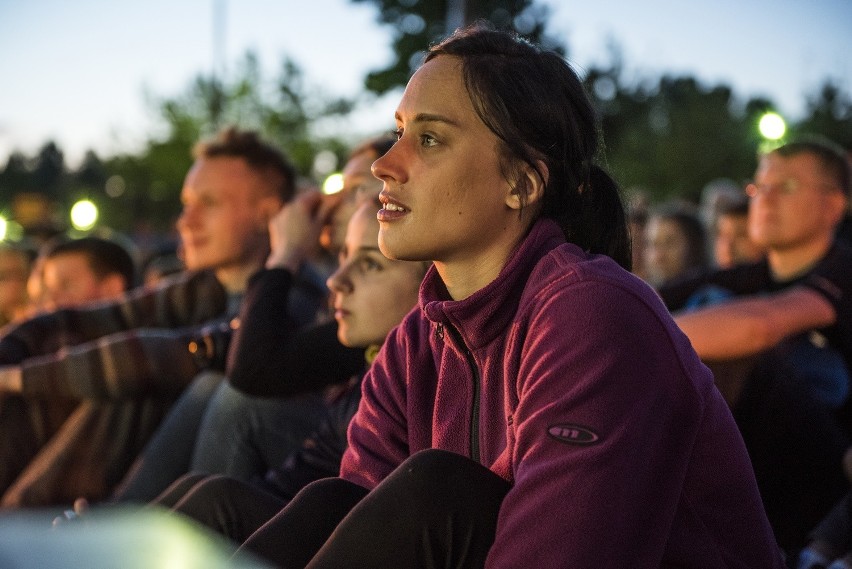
(226, 505)
(437, 509)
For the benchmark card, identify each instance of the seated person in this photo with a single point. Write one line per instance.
(121, 364)
(782, 347)
(271, 398)
(371, 295)
(15, 264)
(732, 244)
(675, 243)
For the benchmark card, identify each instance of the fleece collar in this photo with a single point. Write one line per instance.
(485, 314)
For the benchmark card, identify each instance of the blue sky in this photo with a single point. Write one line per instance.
(76, 71)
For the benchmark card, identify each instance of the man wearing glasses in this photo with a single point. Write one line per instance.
(781, 347)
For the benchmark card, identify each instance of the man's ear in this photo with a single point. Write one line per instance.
(529, 186)
(838, 208)
(113, 286)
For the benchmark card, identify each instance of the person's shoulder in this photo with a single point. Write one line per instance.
(569, 272)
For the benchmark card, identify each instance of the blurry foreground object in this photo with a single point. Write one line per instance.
(118, 537)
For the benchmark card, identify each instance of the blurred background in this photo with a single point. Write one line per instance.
(102, 100)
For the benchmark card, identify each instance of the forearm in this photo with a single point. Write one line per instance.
(119, 366)
(270, 356)
(744, 327)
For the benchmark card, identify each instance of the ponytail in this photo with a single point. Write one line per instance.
(600, 225)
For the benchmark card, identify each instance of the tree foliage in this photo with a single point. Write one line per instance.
(668, 135)
(414, 25)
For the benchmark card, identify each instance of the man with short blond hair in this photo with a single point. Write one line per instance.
(120, 365)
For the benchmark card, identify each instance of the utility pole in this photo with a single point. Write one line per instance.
(219, 29)
(455, 15)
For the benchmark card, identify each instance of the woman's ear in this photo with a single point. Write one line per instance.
(529, 187)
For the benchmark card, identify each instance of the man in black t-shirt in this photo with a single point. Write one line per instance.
(790, 318)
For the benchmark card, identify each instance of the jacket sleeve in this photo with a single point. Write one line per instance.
(601, 435)
(182, 300)
(378, 433)
(320, 454)
(123, 365)
(272, 356)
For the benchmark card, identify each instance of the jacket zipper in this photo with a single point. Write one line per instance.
(477, 381)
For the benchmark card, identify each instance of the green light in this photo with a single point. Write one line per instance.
(772, 126)
(333, 184)
(84, 215)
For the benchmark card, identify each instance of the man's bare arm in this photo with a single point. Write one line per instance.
(746, 326)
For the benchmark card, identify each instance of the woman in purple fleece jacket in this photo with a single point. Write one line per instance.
(539, 407)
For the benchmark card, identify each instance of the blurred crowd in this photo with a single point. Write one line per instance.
(232, 364)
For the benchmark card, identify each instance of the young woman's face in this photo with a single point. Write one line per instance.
(666, 249)
(445, 198)
(371, 292)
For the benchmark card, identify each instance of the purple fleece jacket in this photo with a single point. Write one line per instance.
(567, 377)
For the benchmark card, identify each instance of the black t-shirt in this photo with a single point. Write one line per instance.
(831, 277)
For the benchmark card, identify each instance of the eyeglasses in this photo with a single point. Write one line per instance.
(785, 188)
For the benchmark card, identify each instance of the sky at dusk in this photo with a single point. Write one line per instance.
(77, 72)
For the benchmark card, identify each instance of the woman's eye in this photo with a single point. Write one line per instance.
(368, 264)
(398, 133)
(428, 140)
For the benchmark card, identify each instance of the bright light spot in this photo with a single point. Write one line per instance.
(4, 227)
(14, 230)
(333, 184)
(772, 126)
(84, 215)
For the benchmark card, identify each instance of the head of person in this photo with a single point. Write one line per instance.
(799, 196)
(494, 133)
(731, 242)
(236, 184)
(15, 264)
(371, 293)
(359, 185)
(78, 271)
(675, 243)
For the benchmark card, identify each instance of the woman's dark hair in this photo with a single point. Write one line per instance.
(535, 103)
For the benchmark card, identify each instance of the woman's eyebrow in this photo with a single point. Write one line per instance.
(432, 117)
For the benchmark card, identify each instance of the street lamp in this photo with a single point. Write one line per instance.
(772, 126)
(84, 215)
